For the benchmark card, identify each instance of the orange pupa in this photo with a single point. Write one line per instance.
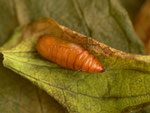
(68, 55)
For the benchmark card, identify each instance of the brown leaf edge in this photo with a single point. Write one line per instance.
(48, 26)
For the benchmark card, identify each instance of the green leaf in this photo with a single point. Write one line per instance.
(18, 95)
(124, 86)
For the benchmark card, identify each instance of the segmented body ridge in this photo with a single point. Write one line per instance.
(68, 55)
